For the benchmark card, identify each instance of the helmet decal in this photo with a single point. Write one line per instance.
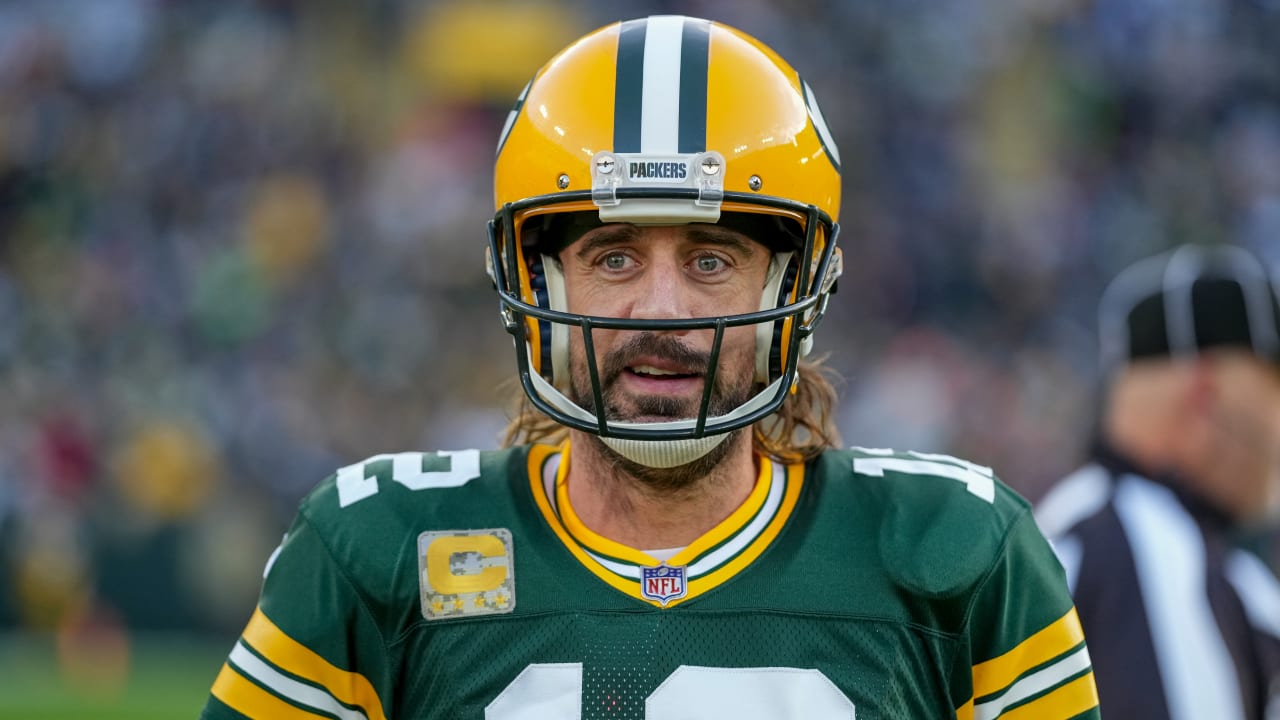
(511, 117)
(820, 125)
(660, 97)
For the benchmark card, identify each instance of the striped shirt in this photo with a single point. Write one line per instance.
(1182, 624)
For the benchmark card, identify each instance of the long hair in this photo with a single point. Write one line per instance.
(801, 429)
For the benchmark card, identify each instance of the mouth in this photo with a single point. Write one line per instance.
(657, 373)
(652, 377)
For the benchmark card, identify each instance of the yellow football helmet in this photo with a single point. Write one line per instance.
(654, 121)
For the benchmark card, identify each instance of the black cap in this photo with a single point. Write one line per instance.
(1189, 299)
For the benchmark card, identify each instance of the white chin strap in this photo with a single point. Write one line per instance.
(664, 453)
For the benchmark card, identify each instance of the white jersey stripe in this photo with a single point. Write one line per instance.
(299, 692)
(1196, 669)
(1034, 684)
(735, 545)
(660, 97)
(748, 534)
(1081, 495)
(1070, 554)
(1258, 589)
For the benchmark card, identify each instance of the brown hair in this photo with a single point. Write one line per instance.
(800, 430)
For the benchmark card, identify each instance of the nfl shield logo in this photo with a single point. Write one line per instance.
(663, 583)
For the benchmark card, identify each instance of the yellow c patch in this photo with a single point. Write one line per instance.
(466, 572)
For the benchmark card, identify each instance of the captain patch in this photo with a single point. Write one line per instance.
(464, 573)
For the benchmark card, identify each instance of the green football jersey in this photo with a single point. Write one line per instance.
(865, 584)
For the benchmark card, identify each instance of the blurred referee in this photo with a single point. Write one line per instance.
(1181, 622)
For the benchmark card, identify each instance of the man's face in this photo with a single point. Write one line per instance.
(1248, 421)
(663, 273)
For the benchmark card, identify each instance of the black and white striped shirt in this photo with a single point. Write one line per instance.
(1181, 623)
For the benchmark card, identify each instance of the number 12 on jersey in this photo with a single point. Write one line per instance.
(359, 481)
(554, 691)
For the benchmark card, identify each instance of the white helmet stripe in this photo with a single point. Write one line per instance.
(660, 92)
(660, 97)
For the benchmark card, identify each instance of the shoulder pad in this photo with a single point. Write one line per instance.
(943, 520)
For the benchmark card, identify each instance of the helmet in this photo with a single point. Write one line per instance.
(658, 121)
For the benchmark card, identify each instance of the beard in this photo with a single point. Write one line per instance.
(730, 390)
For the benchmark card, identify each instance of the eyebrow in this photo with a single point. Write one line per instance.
(605, 236)
(701, 234)
(714, 235)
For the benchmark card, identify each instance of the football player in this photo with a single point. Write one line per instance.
(671, 532)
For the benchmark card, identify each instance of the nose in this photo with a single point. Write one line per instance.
(662, 292)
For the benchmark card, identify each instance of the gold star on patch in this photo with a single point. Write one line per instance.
(479, 601)
(501, 600)
(437, 605)
(458, 604)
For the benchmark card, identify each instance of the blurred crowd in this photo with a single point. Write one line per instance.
(241, 245)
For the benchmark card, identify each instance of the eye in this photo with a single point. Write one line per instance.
(708, 264)
(614, 261)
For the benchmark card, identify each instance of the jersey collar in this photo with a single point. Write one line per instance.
(708, 562)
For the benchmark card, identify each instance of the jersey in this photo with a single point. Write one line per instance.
(864, 584)
(1182, 623)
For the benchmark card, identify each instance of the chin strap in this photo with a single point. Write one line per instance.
(664, 454)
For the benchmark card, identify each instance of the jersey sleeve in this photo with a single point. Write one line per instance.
(1028, 657)
(311, 648)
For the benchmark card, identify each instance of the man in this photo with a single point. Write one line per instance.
(1181, 623)
(691, 547)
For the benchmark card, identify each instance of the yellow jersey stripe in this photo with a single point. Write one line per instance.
(1065, 702)
(736, 521)
(795, 479)
(965, 711)
(1058, 637)
(246, 698)
(350, 688)
(537, 457)
(1033, 686)
(580, 532)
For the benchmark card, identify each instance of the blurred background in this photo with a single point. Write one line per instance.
(241, 246)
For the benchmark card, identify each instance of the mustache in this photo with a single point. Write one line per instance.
(647, 344)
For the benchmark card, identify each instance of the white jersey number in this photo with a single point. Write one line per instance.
(545, 691)
(354, 484)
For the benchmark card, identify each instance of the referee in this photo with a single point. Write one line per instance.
(1182, 623)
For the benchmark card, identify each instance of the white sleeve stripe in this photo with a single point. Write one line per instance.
(1034, 684)
(252, 666)
(1195, 666)
(1258, 589)
(981, 485)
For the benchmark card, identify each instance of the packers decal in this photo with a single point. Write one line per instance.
(464, 573)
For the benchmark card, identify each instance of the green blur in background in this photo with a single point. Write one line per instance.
(106, 678)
